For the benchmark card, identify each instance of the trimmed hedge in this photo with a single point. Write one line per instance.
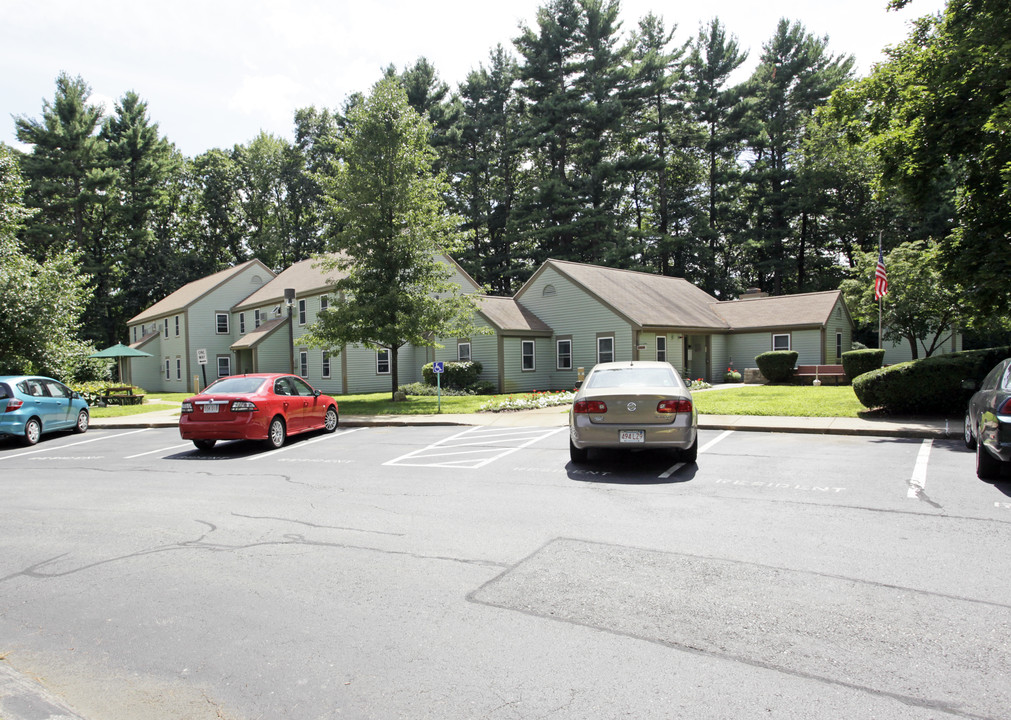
(930, 385)
(857, 362)
(459, 375)
(777, 366)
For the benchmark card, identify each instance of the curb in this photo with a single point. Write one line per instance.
(23, 698)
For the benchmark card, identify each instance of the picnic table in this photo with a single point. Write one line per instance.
(123, 395)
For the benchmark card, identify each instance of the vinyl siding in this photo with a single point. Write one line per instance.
(571, 311)
(515, 379)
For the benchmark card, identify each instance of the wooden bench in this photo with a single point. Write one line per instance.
(121, 396)
(807, 374)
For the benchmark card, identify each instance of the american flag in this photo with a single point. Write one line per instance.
(880, 278)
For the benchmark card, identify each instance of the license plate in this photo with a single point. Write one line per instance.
(632, 436)
(210, 408)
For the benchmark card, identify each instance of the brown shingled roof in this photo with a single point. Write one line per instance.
(643, 298)
(307, 277)
(252, 338)
(191, 292)
(507, 315)
(805, 309)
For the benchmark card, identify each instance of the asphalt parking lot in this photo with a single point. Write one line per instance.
(461, 572)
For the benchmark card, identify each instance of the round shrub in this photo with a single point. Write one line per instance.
(933, 385)
(857, 362)
(460, 375)
(777, 366)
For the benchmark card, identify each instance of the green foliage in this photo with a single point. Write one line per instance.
(857, 362)
(930, 385)
(42, 301)
(777, 365)
(460, 375)
(391, 286)
(920, 308)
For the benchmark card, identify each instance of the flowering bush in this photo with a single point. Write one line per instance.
(529, 401)
(699, 384)
(732, 375)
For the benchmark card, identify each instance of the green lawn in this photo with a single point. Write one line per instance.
(791, 400)
(797, 401)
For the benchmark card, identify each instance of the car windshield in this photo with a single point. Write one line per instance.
(631, 377)
(235, 385)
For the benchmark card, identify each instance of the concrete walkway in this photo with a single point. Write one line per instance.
(559, 417)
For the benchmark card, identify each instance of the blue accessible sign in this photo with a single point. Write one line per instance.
(438, 367)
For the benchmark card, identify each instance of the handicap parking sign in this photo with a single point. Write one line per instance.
(438, 367)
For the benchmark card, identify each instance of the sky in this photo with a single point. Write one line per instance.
(215, 73)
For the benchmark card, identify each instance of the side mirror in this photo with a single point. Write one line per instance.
(579, 384)
(316, 393)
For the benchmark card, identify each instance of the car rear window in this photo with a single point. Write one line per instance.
(5, 392)
(235, 385)
(631, 377)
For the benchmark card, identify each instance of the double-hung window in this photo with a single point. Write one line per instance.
(301, 312)
(661, 348)
(224, 365)
(383, 362)
(177, 326)
(303, 363)
(563, 355)
(242, 323)
(605, 349)
(326, 363)
(527, 358)
(221, 323)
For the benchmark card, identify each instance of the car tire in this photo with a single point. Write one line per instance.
(691, 454)
(276, 433)
(83, 421)
(331, 420)
(33, 431)
(204, 444)
(967, 437)
(577, 455)
(987, 466)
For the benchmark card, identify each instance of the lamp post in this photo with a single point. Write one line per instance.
(289, 300)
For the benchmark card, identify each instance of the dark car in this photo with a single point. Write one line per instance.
(988, 422)
(265, 406)
(31, 405)
(633, 405)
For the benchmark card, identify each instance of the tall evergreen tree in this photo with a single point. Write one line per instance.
(719, 109)
(796, 75)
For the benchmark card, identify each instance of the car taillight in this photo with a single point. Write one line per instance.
(243, 406)
(589, 406)
(14, 404)
(187, 407)
(674, 406)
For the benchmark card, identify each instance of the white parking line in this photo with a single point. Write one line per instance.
(153, 452)
(919, 479)
(326, 436)
(670, 471)
(484, 442)
(82, 442)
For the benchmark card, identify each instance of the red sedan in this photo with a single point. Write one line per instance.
(264, 406)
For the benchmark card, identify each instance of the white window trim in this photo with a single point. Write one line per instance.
(601, 338)
(168, 366)
(303, 363)
(325, 360)
(256, 318)
(228, 365)
(532, 355)
(165, 333)
(242, 323)
(302, 311)
(389, 362)
(470, 349)
(179, 369)
(789, 341)
(660, 338)
(228, 323)
(558, 354)
(177, 326)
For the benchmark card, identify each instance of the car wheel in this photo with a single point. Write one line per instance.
(691, 454)
(276, 433)
(83, 420)
(33, 431)
(967, 438)
(987, 466)
(204, 444)
(331, 420)
(576, 455)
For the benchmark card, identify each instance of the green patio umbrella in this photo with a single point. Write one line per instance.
(120, 351)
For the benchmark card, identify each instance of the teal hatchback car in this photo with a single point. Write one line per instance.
(31, 405)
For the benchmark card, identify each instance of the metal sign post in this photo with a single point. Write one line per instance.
(438, 368)
(202, 361)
